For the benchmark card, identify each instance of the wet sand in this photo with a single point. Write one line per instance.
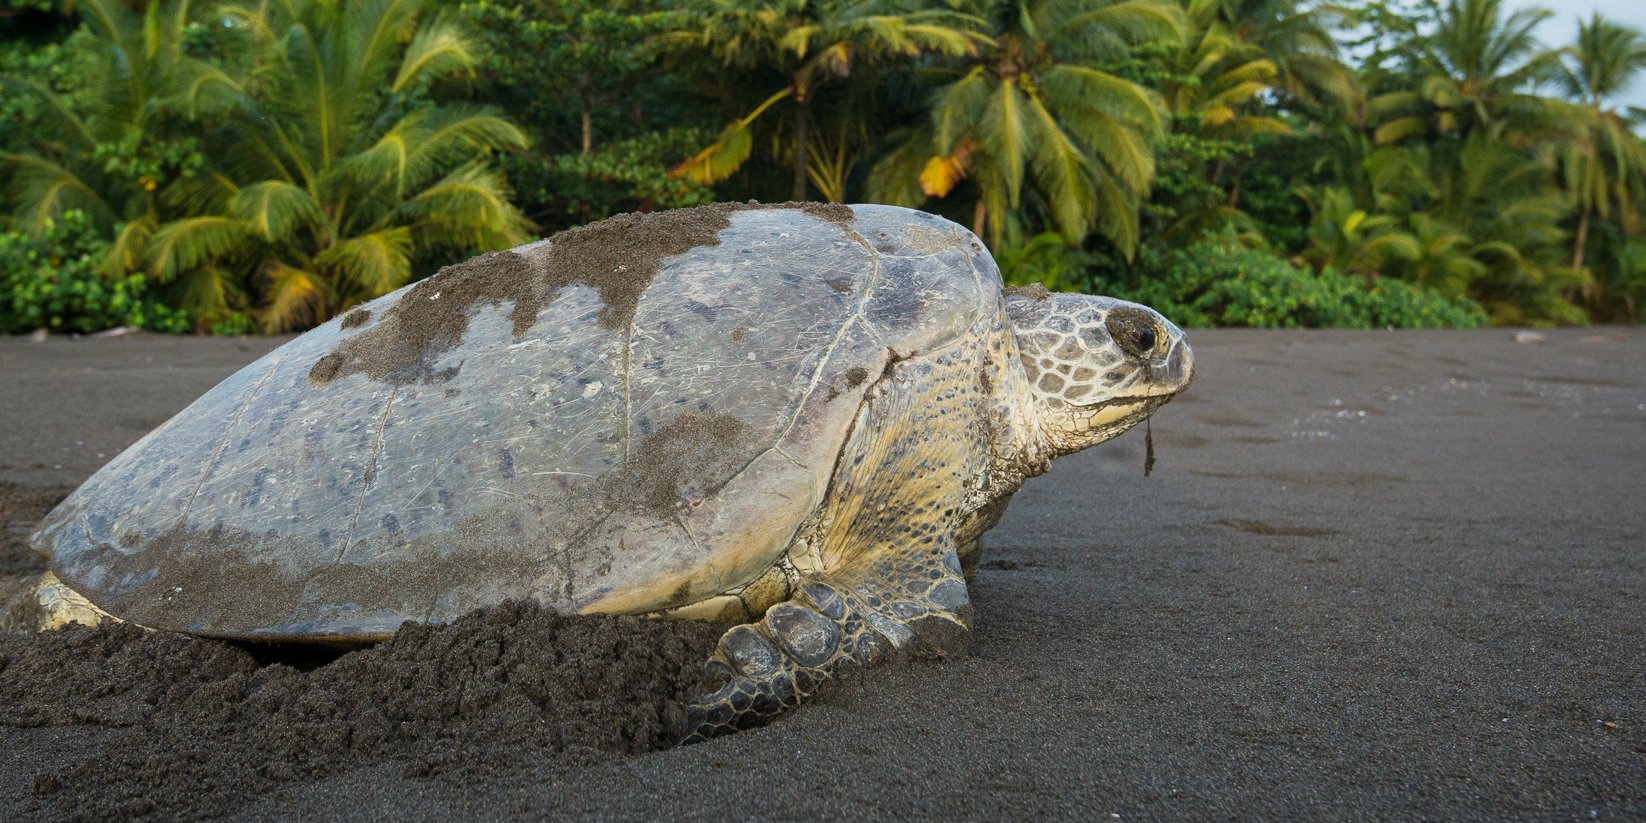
(1374, 575)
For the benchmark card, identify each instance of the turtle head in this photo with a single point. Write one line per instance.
(1096, 366)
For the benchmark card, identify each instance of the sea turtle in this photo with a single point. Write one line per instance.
(797, 420)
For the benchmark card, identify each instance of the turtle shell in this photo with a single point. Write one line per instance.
(631, 416)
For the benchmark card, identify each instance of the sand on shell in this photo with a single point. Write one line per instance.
(618, 256)
(1374, 576)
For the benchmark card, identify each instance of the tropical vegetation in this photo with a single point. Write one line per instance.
(232, 166)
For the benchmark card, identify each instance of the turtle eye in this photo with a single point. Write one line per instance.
(1134, 331)
(1144, 339)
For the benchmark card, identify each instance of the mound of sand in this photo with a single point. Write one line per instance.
(214, 726)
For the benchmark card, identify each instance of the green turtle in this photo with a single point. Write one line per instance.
(794, 420)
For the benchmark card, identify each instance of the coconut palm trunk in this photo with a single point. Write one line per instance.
(1581, 238)
(588, 118)
(802, 128)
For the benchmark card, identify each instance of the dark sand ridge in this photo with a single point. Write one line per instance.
(1375, 575)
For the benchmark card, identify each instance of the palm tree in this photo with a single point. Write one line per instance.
(321, 173)
(1037, 109)
(116, 159)
(808, 43)
(1606, 167)
(1445, 260)
(335, 174)
(1218, 76)
(1474, 73)
(1504, 201)
(1216, 88)
(1350, 239)
(1295, 36)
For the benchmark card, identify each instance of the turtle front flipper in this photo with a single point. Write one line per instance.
(56, 605)
(898, 604)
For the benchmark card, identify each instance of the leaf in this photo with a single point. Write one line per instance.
(895, 178)
(370, 265)
(468, 208)
(436, 50)
(1217, 116)
(942, 172)
(1399, 130)
(296, 298)
(207, 292)
(1353, 222)
(1067, 177)
(130, 247)
(273, 208)
(183, 245)
(726, 154)
(415, 145)
(1001, 133)
(44, 191)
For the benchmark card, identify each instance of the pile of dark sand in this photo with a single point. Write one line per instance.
(210, 725)
(21, 508)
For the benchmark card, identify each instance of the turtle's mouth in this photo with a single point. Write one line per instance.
(1120, 402)
(1123, 412)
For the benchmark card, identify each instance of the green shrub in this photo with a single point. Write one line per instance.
(52, 282)
(617, 176)
(234, 324)
(1213, 283)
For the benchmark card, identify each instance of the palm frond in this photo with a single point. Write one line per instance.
(437, 50)
(1135, 21)
(1093, 90)
(956, 109)
(130, 250)
(370, 265)
(1002, 133)
(727, 153)
(1400, 129)
(895, 178)
(1064, 172)
(295, 298)
(184, 245)
(73, 124)
(44, 189)
(468, 208)
(205, 89)
(273, 209)
(208, 294)
(378, 29)
(943, 171)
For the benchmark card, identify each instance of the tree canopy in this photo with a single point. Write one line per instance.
(238, 165)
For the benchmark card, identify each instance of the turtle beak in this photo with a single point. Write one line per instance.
(1173, 370)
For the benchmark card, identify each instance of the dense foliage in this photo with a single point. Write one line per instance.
(1216, 281)
(1213, 283)
(278, 164)
(50, 281)
(1239, 162)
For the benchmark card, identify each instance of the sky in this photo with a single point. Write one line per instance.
(1561, 29)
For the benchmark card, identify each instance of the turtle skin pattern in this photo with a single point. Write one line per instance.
(883, 576)
(763, 668)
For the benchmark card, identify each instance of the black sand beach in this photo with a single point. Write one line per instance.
(1374, 575)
